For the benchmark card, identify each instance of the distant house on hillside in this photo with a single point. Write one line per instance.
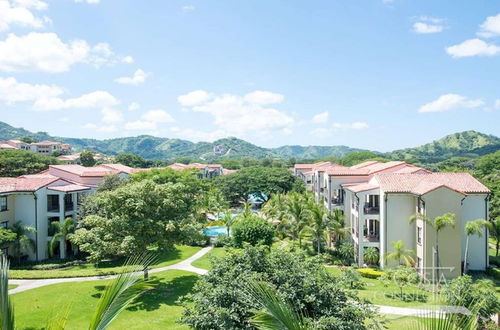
(207, 170)
(43, 147)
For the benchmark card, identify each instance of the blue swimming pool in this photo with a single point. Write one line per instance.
(215, 231)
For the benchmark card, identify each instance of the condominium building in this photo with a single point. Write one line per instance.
(206, 170)
(52, 195)
(43, 147)
(378, 199)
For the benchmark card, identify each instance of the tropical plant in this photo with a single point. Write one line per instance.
(346, 252)
(371, 255)
(7, 321)
(401, 276)
(253, 231)
(7, 236)
(62, 231)
(23, 243)
(320, 223)
(472, 228)
(275, 312)
(337, 226)
(494, 228)
(438, 223)
(228, 219)
(352, 278)
(275, 210)
(247, 211)
(400, 254)
(298, 215)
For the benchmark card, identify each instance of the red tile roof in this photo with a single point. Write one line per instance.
(420, 184)
(364, 164)
(361, 187)
(69, 188)
(22, 184)
(84, 171)
(119, 168)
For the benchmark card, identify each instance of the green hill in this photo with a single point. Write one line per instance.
(469, 144)
(464, 144)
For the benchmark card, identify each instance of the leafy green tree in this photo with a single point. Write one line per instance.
(438, 223)
(400, 254)
(111, 182)
(221, 299)
(228, 219)
(131, 160)
(135, 217)
(494, 227)
(254, 231)
(266, 180)
(351, 278)
(87, 158)
(62, 232)
(346, 252)
(401, 276)
(14, 163)
(472, 228)
(27, 139)
(23, 243)
(320, 223)
(7, 236)
(371, 255)
(354, 158)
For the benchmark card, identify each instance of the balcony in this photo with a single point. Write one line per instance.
(68, 207)
(337, 201)
(371, 209)
(373, 238)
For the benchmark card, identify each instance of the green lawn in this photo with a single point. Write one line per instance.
(397, 322)
(375, 293)
(156, 309)
(205, 261)
(104, 268)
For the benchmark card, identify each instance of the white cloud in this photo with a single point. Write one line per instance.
(158, 116)
(356, 125)
(188, 8)
(18, 13)
(473, 47)
(320, 118)
(12, 91)
(140, 125)
(237, 115)
(425, 28)
(263, 98)
(134, 106)
(101, 128)
(111, 115)
(138, 78)
(97, 99)
(46, 52)
(497, 104)
(490, 27)
(194, 98)
(128, 59)
(449, 102)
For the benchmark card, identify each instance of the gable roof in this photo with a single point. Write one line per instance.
(420, 184)
(22, 184)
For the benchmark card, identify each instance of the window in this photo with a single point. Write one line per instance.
(419, 235)
(421, 206)
(3, 203)
(419, 264)
(4, 224)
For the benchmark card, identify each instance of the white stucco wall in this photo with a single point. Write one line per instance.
(473, 207)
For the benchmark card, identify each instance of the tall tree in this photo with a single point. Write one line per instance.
(20, 162)
(472, 228)
(299, 216)
(87, 158)
(438, 223)
(62, 231)
(320, 223)
(338, 227)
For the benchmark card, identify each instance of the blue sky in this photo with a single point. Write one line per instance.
(372, 74)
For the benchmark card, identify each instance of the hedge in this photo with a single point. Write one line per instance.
(370, 272)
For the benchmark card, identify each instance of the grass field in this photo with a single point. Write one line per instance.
(104, 268)
(155, 309)
(205, 261)
(375, 292)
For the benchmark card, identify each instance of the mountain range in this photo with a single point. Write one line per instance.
(468, 143)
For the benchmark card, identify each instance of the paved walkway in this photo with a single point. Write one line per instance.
(24, 285)
(406, 311)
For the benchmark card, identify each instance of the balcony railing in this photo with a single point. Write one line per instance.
(371, 209)
(68, 207)
(53, 208)
(372, 238)
(337, 201)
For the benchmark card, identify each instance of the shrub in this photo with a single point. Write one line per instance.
(370, 272)
(346, 252)
(222, 241)
(351, 278)
(253, 231)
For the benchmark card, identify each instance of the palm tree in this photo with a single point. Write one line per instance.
(275, 210)
(23, 243)
(472, 228)
(438, 223)
(338, 227)
(298, 215)
(62, 231)
(494, 228)
(400, 253)
(228, 220)
(320, 222)
(7, 321)
(275, 312)
(122, 290)
(371, 255)
(247, 211)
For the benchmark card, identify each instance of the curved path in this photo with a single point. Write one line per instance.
(24, 285)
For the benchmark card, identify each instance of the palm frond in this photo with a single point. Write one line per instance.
(6, 309)
(126, 287)
(275, 313)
